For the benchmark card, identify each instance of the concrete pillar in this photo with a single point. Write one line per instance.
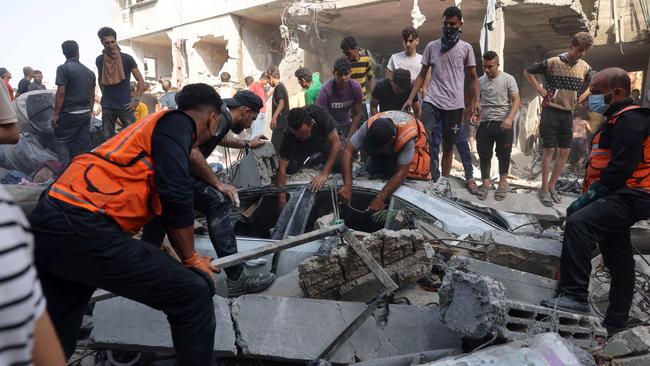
(179, 60)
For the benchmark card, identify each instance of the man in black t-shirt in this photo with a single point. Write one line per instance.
(390, 95)
(311, 139)
(23, 84)
(279, 108)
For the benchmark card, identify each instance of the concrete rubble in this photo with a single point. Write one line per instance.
(342, 274)
(477, 307)
(630, 347)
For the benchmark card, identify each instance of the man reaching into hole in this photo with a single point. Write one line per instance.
(397, 148)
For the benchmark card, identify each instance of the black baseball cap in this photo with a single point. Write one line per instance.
(378, 135)
(245, 98)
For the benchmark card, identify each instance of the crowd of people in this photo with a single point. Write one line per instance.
(151, 172)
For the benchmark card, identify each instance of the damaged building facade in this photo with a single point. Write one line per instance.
(194, 41)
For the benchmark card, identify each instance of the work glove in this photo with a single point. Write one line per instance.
(203, 267)
(595, 191)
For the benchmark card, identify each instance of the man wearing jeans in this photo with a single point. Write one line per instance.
(442, 112)
(114, 69)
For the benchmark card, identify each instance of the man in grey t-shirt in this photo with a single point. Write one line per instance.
(499, 105)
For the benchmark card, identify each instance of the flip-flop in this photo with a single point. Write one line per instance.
(501, 193)
(483, 192)
(555, 196)
(472, 187)
(545, 198)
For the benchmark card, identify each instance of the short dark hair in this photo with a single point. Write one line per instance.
(273, 71)
(225, 77)
(26, 70)
(70, 49)
(195, 96)
(38, 72)
(105, 32)
(297, 117)
(248, 80)
(402, 78)
(166, 85)
(303, 73)
(348, 43)
(620, 80)
(583, 39)
(410, 31)
(490, 55)
(264, 75)
(342, 65)
(453, 11)
(3, 71)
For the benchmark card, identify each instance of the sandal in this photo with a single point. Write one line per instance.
(555, 196)
(483, 192)
(472, 187)
(545, 198)
(501, 193)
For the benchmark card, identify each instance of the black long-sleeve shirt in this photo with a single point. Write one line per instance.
(625, 140)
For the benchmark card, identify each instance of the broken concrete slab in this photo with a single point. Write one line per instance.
(476, 307)
(547, 349)
(256, 169)
(526, 253)
(290, 329)
(343, 275)
(120, 323)
(520, 286)
(285, 286)
(410, 359)
(634, 341)
(642, 360)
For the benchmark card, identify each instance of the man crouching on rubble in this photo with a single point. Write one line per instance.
(616, 195)
(397, 149)
(311, 140)
(83, 227)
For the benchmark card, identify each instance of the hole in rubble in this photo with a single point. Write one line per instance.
(355, 218)
(256, 215)
(568, 321)
(518, 313)
(514, 327)
(581, 336)
(584, 322)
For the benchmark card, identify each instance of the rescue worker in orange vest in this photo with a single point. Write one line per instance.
(397, 149)
(616, 195)
(311, 140)
(84, 224)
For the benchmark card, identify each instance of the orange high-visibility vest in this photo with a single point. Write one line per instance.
(600, 158)
(408, 128)
(117, 178)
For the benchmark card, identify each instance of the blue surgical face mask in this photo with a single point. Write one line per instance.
(597, 103)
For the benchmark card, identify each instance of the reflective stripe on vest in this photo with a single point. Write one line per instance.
(116, 178)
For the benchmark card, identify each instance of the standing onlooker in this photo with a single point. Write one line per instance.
(225, 89)
(361, 69)
(442, 111)
(6, 76)
(279, 108)
(73, 106)
(636, 96)
(257, 87)
(310, 83)
(114, 70)
(27, 333)
(565, 75)
(37, 84)
(248, 80)
(23, 84)
(167, 100)
(499, 105)
(391, 94)
(408, 59)
(579, 142)
(150, 100)
(342, 98)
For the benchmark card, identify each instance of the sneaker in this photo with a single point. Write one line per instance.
(612, 329)
(566, 303)
(248, 283)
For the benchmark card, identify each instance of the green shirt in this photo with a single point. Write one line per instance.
(312, 92)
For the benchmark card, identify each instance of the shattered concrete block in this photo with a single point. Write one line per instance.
(120, 323)
(291, 329)
(633, 341)
(547, 349)
(520, 286)
(343, 275)
(256, 169)
(476, 307)
(642, 360)
(540, 256)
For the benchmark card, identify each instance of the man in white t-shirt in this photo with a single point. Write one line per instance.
(408, 59)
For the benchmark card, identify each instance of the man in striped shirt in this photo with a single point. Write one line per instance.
(361, 69)
(27, 336)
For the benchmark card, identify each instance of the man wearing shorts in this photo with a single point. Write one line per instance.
(565, 75)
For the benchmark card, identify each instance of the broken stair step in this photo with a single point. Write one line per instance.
(291, 329)
(121, 323)
(519, 285)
